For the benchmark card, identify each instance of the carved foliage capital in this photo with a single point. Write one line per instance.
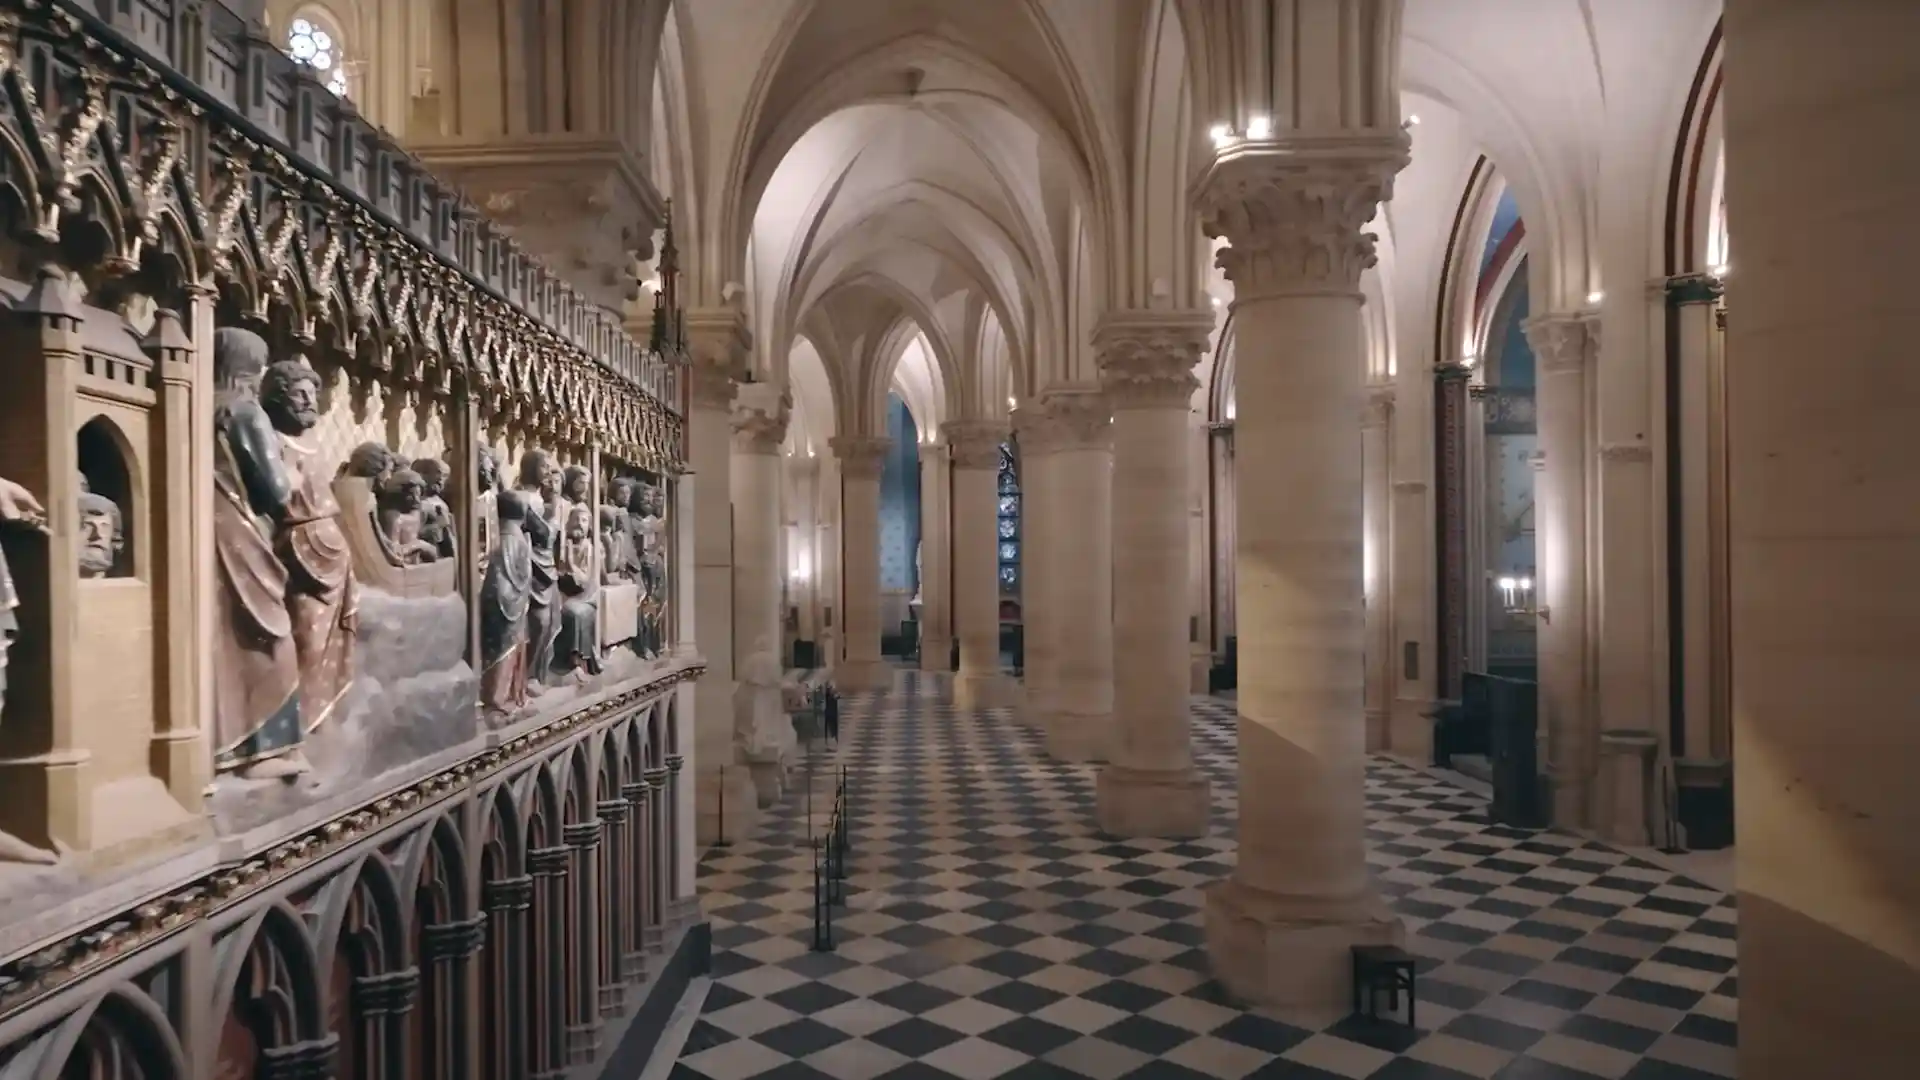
(1071, 421)
(974, 444)
(861, 457)
(1147, 359)
(758, 431)
(1294, 217)
(1564, 341)
(713, 385)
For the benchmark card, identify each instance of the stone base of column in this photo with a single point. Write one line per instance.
(728, 817)
(1571, 797)
(1410, 730)
(862, 675)
(1034, 713)
(1377, 734)
(936, 654)
(1269, 952)
(1199, 670)
(1077, 737)
(1139, 803)
(979, 690)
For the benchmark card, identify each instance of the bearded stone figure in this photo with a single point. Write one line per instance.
(101, 536)
(578, 646)
(19, 511)
(400, 497)
(436, 517)
(619, 559)
(370, 461)
(486, 513)
(650, 538)
(540, 488)
(504, 599)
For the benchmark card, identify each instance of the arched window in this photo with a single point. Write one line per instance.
(313, 44)
(1009, 521)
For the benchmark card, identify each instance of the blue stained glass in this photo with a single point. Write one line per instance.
(1009, 552)
(1009, 506)
(1009, 575)
(1009, 528)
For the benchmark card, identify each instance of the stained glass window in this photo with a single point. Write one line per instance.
(312, 45)
(1009, 520)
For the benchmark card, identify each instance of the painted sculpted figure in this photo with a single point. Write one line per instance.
(540, 488)
(400, 497)
(19, 511)
(486, 513)
(653, 570)
(288, 608)
(578, 646)
(504, 597)
(101, 537)
(436, 517)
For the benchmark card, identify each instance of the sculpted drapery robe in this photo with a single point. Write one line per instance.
(323, 599)
(544, 523)
(503, 621)
(256, 699)
(578, 644)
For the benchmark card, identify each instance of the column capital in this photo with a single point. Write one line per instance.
(1294, 212)
(1564, 341)
(718, 344)
(1147, 357)
(861, 457)
(760, 428)
(1693, 288)
(1076, 419)
(1379, 407)
(933, 453)
(974, 444)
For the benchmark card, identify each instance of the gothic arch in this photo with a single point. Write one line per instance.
(1695, 232)
(269, 998)
(121, 1035)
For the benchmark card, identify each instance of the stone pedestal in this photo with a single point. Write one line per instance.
(861, 460)
(975, 447)
(1300, 896)
(1627, 759)
(1146, 371)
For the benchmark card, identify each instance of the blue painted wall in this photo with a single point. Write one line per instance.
(900, 499)
(1505, 214)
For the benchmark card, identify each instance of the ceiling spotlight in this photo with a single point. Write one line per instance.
(1260, 127)
(1596, 296)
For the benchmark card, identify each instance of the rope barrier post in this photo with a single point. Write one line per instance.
(822, 899)
(720, 826)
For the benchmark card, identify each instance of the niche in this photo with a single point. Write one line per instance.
(103, 457)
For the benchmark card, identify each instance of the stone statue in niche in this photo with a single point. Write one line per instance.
(540, 487)
(486, 514)
(618, 557)
(576, 485)
(650, 537)
(577, 647)
(101, 536)
(436, 517)
(370, 461)
(398, 500)
(19, 511)
(504, 601)
(256, 691)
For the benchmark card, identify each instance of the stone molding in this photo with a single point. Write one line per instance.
(974, 444)
(1564, 341)
(1294, 212)
(1695, 288)
(718, 344)
(1147, 357)
(1070, 420)
(935, 452)
(861, 457)
(1379, 407)
(1631, 452)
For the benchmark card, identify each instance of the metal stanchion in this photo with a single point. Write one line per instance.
(822, 896)
(720, 824)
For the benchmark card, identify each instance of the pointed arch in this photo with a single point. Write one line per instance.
(123, 1035)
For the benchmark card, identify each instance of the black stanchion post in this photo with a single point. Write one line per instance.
(822, 899)
(720, 824)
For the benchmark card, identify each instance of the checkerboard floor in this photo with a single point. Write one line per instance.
(991, 931)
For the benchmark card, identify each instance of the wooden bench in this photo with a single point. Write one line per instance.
(1381, 969)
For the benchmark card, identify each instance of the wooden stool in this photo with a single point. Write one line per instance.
(1378, 968)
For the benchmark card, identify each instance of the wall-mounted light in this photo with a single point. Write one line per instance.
(1010, 403)
(1516, 594)
(1216, 301)
(1718, 270)
(1230, 405)
(1469, 360)
(809, 449)
(1594, 297)
(801, 571)
(1260, 127)
(1413, 119)
(1222, 136)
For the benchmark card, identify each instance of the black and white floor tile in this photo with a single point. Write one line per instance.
(992, 932)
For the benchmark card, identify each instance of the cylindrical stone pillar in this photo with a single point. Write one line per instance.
(1281, 929)
(936, 545)
(975, 447)
(1376, 468)
(1564, 346)
(1823, 418)
(1042, 561)
(1149, 786)
(757, 435)
(861, 458)
(1080, 432)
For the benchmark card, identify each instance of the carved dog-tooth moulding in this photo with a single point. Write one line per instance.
(32, 977)
(861, 457)
(1147, 357)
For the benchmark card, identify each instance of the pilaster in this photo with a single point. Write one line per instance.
(1149, 786)
(936, 558)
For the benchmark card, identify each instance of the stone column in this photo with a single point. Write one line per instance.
(1564, 345)
(936, 555)
(1042, 561)
(1281, 928)
(1376, 554)
(1149, 786)
(759, 427)
(862, 458)
(1079, 428)
(975, 446)
(719, 343)
(1822, 415)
